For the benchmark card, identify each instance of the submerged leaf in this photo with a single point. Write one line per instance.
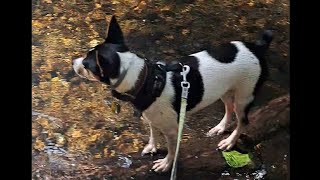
(115, 107)
(39, 145)
(76, 134)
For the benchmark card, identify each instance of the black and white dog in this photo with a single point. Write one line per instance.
(232, 72)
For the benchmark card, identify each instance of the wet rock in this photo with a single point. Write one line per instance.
(185, 1)
(153, 17)
(275, 154)
(269, 133)
(156, 35)
(60, 139)
(269, 119)
(168, 13)
(107, 8)
(169, 51)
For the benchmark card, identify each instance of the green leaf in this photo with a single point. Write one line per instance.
(235, 159)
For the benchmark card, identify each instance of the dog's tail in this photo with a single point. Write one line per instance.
(260, 47)
(266, 38)
(264, 41)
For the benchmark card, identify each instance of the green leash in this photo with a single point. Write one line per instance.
(185, 85)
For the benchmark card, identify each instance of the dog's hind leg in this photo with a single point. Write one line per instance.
(151, 147)
(227, 99)
(242, 103)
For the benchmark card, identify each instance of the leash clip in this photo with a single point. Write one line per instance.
(184, 83)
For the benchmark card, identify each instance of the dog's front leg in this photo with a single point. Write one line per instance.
(151, 147)
(164, 118)
(163, 165)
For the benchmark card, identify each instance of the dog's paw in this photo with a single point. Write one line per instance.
(227, 144)
(217, 130)
(149, 149)
(162, 165)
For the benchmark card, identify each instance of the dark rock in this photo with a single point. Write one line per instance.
(35, 79)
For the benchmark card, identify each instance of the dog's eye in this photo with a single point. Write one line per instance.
(86, 65)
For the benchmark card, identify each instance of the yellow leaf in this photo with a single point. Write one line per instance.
(65, 84)
(34, 133)
(97, 15)
(261, 22)
(76, 133)
(93, 138)
(242, 20)
(115, 2)
(140, 6)
(60, 139)
(97, 156)
(105, 152)
(251, 3)
(66, 41)
(43, 122)
(47, 1)
(39, 145)
(113, 153)
(185, 31)
(93, 43)
(98, 5)
(37, 24)
(269, 1)
(55, 79)
(165, 8)
(169, 37)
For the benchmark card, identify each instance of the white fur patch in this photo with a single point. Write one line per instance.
(219, 77)
(134, 65)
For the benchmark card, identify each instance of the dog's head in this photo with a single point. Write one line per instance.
(102, 62)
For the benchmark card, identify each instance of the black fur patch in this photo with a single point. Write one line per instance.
(225, 53)
(108, 59)
(259, 50)
(115, 35)
(196, 89)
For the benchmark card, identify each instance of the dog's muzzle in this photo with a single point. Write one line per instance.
(81, 71)
(78, 66)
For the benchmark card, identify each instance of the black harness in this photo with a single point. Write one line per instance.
(157, 75)
(160, 73)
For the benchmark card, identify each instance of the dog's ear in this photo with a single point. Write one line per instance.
(114, 34)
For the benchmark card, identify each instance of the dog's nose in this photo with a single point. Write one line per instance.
(85, 64)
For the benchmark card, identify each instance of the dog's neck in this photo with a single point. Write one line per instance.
(133, 65)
